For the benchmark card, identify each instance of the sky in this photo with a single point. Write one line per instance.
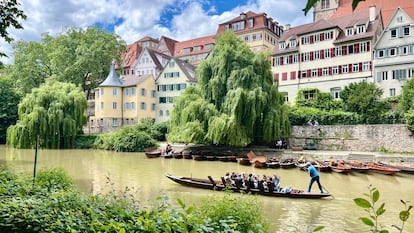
(134, 19)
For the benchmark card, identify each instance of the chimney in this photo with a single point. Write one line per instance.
(287, 27)
(242, 15)
(372, 13)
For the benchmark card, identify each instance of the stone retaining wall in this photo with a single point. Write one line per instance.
(394, 138)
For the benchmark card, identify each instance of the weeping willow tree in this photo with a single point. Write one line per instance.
(54, 112)
(235, 102)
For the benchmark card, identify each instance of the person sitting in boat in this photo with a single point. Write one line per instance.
(168, 149)
(227, 179)
(276, 182)
(314, 176)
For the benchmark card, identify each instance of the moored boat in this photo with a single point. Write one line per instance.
(377, 168)
(244, 161)
(357, 166)
(177, 154)
(153, 153)
(288, 163)
(405, 168)
(218, 185)
(339, 167)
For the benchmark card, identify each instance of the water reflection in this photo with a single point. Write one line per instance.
(103, 171)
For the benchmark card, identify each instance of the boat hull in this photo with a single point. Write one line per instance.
(214, 185)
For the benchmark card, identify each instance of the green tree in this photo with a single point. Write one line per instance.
(8, 105)
(311, 3)
(235, 102)
(10, 14)
(54, 112)
(79, 56)
(364, 98)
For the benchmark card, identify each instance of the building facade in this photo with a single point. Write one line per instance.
(171, 82)
(394, 54)
(327, 55)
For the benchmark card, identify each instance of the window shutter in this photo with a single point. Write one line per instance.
(290, 59)
(370, 65)
(356, 48)
(339, 69)
(273, 62)
(311, 56)
(322, 55)
(319, 72)
(301, 40)
(368, 43)
(330, 70)
(349, 68)
(322, 37)
(299, 74)
(333, 52)
(311, 39)
(360, 67)
(344, 50)
(301, 57)
(378, 76)
(308, 73)
(331, 34)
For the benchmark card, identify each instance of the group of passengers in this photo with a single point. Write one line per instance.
(252, 181)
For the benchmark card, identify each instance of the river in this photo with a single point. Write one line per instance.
(96, 171)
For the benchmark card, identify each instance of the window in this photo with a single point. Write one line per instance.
(161, 113)
(143, 106)
(102, 91)
(282, 45)
(162, 100)
(350, 49)
(338, 51)
(153, 93)
(380, 53)
(306, 40)
(277, 61)
(303, 74)
(132, 105)
(309, 95)
(114, 122)
(406, 31)
(326, 53)
(167, 112)
(143, 92)
(393, 52)
(393, 33)
(335, 92)
(362, 47)
(383, 76)
(153, 107)
(404, 50)
(292, 43)
(237, 26)
(316, 55)
(349, 31)
(355, 67)
(227, 27)
(286, 60)
(365, 66)
(286, 97)
(392, 91)
(325, 71)
(334, 70)
(344, 69)
(171, 64)
(316, 37)
(295, 58)
(399, 74)
(327, 35)
(314, 72)
(114, 105)
(306, 56)
(250, 22)
(325, 4)
(361, 29)
(102, 105)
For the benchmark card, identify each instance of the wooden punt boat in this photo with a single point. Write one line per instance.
(377, 168)
(339, 167)
(244, 161)
(259, 164)
(187, 155)
(288, 163)
(357, 166)
(153, 153)
(404, 168)
(215, 185)
(177, 154)
(322, 166)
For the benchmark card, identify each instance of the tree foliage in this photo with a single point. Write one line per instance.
(8, 105)
(54, 112)
(235, 102)
(364, 98)
(10, 14)
(79, 56)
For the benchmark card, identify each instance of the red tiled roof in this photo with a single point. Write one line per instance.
(131, 54)
(388, 8)
(148, 38)
(201, 41)
(169, 45)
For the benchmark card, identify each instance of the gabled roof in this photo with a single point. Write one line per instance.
(148, 38)
(136, 80)
(112, 80)
(387, 8)
(153, 53)
(169, 45)
(132, 52)
(186, 68)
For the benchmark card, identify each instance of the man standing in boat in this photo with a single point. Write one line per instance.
(314, 176)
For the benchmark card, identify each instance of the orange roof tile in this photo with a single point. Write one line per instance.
(190, 45)
(387, 7)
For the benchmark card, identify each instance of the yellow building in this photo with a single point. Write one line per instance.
(122, 102)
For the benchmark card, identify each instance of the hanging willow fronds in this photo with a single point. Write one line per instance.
(54, 111)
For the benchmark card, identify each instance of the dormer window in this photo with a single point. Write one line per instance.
(227, 27)
(250, 22)
(361, 29)
(282, 45)
(237, 26)
(293, 43)
(187, 50)
(349, 31)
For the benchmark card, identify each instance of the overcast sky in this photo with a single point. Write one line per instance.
(134, 19)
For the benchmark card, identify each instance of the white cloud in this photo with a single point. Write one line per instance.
(139, 18)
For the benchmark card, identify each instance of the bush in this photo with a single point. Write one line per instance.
(85, 141)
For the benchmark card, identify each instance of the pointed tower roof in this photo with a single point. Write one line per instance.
(112, 80)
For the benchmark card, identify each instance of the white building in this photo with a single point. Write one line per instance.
(394, 54)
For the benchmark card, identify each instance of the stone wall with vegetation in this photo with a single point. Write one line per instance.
(385, 138)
